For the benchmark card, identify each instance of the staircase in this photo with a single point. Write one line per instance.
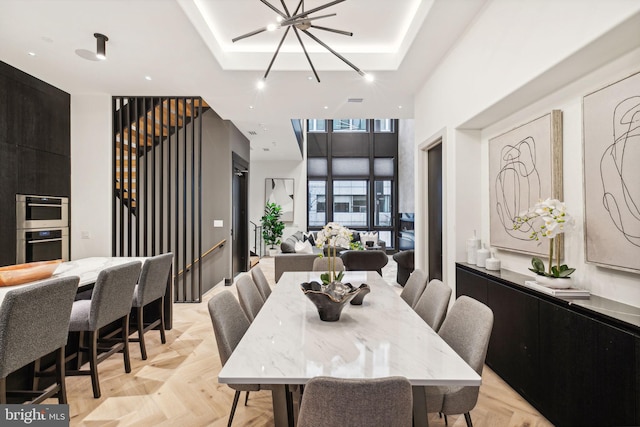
(141, 125)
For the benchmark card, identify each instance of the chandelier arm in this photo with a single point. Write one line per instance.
(300, 5)
(333, 30)
(345, 60)
(304, 49)
(276, 53)
(317, 9)
(303, 20)
(252, 33)
(275, 9)
(286, 10)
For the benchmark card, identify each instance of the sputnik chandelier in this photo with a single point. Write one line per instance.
(301, 21)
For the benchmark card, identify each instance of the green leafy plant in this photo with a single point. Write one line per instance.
(272, 226)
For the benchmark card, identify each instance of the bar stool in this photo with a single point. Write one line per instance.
(111, 301)
(151, 288)
(34, 321)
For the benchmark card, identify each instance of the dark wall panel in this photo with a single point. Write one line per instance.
(7, 205)
(317, 145)
(350, 144)
(35, 146)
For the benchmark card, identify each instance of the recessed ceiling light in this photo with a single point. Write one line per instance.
(31, 53)
(251, 107)
(326, 107)
(309, 77)
(147, 77)
(400, 107)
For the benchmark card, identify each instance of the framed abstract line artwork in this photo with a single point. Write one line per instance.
(525, 166)
(611, 149)
(281, 191)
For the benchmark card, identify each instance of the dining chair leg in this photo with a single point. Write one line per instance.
(233, 407)
(163, 338)
(60, 376)
(467, 417)
(3, 390)
(125, 340)
(143, 347)
(79, 353)
(93, 362)
(446, 422)
(246, 399)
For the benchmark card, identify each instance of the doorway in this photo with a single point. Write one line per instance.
(434, 210)
(240, 215)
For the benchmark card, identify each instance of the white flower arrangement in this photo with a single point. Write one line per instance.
(333, 235)
(547, 218)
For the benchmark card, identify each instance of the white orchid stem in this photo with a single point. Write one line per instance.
(551, 243)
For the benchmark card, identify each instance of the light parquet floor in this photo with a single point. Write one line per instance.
(177, 385)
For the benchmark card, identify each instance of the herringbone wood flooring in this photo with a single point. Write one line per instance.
(177, 385)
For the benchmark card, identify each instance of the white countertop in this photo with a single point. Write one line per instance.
(287, 343)
(86, 268)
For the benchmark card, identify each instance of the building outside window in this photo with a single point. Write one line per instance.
(317, 211)
(350, 125)
(316, 125)
(383, 125)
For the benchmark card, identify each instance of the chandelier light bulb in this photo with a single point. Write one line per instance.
(261, 84)
(272, 27)
(369, 77)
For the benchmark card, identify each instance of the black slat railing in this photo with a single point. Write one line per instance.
(157, 170)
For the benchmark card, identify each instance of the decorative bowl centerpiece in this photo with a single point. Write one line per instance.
(331, 298)
(12, 275)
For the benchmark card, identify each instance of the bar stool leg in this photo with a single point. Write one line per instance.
(143, 347)
(60, 376)
(163, 338)
(93, 363)
(125, 339)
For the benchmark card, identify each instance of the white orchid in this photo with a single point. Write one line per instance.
(333, 235)
(547, 218)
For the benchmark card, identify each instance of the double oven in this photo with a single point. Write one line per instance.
(42, 228)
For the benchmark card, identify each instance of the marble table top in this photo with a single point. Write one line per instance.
(287, 343)
(86, 268)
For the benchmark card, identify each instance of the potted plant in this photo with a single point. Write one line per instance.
(548, 219)
(272, 226)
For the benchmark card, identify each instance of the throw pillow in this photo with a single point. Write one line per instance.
(303, 248)
(369, 237)
(309, 237)
(288, 246)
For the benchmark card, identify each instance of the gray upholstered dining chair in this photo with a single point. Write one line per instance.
(467, 329)
(151, 287)
(322, 264)
(414, 287)
(433, 304)
(110, 301)
(261, 282)
(356, 402)
(372, 260)
(229, 326)
(34, 321)
(250, 299)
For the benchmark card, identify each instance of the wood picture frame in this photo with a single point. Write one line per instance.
(525, 166)
(282, 192)
(611, 154)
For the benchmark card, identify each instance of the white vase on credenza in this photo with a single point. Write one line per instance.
(554, 282)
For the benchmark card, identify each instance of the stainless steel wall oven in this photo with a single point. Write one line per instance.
(42, 228)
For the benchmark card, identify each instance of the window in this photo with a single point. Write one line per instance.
(350, 202)
(316, 125)
(383, 208)
(317, 210)
(383, 125)
(350, 125)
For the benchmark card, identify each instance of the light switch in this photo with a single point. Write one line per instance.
(85, 235)
(217, 223)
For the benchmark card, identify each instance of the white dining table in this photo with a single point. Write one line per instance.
(288, 344)
(87, 269)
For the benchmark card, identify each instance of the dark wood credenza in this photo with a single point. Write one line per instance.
(575, 360)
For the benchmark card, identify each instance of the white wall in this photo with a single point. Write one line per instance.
(258, 172)
(91, 186)
(510, 45)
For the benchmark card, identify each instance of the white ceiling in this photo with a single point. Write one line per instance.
(185, 47)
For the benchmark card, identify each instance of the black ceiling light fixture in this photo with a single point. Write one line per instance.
(301, 21)
(101, 46)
